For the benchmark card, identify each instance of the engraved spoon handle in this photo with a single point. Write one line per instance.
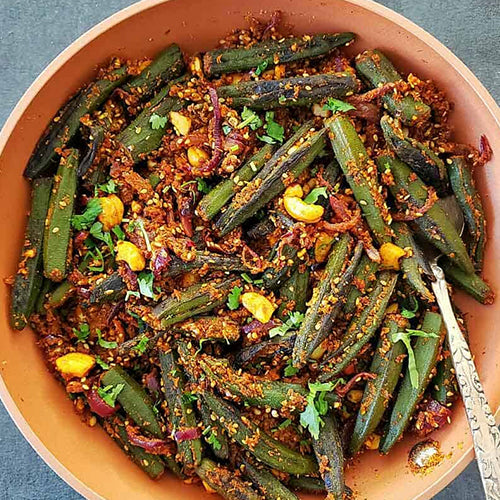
(485, 433)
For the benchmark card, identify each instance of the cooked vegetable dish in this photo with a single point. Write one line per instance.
(224, 261)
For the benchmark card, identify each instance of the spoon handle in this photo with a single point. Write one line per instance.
(485, 433)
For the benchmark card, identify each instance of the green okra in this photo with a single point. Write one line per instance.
(434, 225)
(180, 409)
(411, 263)
(29, 276)
(109, 288)
(213, 433)
(266, 482)
(444, 384)
(271, 348)
(421, 159)
(166, 66)
(56, 240)
(426, 351)
(307, 484)
(290, 160)
(329, 453)
(293, 294)
(378, 70)
(294, 91)
(134, 400)
(387, 364)
(211, 204)
(326, 302)
(362, 327)
(225, 482)
(471, 283)
(364, 278)
(361, 175)
(283, 264)
(468, 198)
(272, 52)
(96, 138)
(151, 464)
(63, 129)
(262, 446)
(42, 296)
(197, 299)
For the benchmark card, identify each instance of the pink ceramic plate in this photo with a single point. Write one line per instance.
(86, 458)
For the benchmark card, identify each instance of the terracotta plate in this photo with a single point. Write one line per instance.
(86, 458)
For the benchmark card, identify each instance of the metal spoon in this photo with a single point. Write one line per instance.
(485, 433)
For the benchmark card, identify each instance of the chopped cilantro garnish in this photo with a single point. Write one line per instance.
(142, 345)
(250, 118)
(157, 121)
(226, 129)
(405, 337)
(109, 393)
(97, 232)
(292, 323)
(313, 196)
(82, 333)
(145, 281)
(202, 185)
(140, 224)
(410, 313)
(87, 218)
(102, 363)
(189, 397)
(290, 370)
(233, 299)
(131, 293)
(261, 68)
(274, 129)
(117, 230)
(281, 99)
(104, 343)
(212, 438)
(335, 105)
(109, 187)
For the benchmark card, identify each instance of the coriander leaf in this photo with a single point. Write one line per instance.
(109, 187)
(322, 386)
(313, 196)
(226, 129)
(212, 438)
(335, 105)
(82, 333)
(317, 406)
(145, 281)
(266, 139)
(189, 397)
(410, 313)
(142, 345)
(295, 319)
(140, 223)
(281, 99)
(203, 186)
(157, 121)
(261, 68)
(154, 180)
(131, 293)
(102, 363)
(310, 419)
(233, 299)
(117, 230)
(97, 232)
(290, 370)
(250, 118)
(87, 218)
(104, 343)
(96, 256)
(109, 393)
(279, 330)
(292, 323)
(274, 129)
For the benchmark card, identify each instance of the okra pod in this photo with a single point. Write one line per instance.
(294, 91)
(444, 384)
(109, 288)
(60, 294)
(378, 70)
(410, 264)
(361, 175)
(364, 278)
(166, 66)
(362, 327)
(29, 276)
(387, 364)
(265, 448)
(307, 484)
(42, 296)
(140, 138)
(421, 159)
(62, 130)
(196, 299)
(211, 204)
(293, 294)
(134, 400)
(471, 283)
(469, 200)
(326, 302)
(426, 350)
(210, 329)
(272, 52)
(180, 410)
(289, 161)
(330, 455)
(267, 483)
(272, 348)
(434, 224)
(214, 434)
(283, 264)
(57, 235)
(225, 482)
